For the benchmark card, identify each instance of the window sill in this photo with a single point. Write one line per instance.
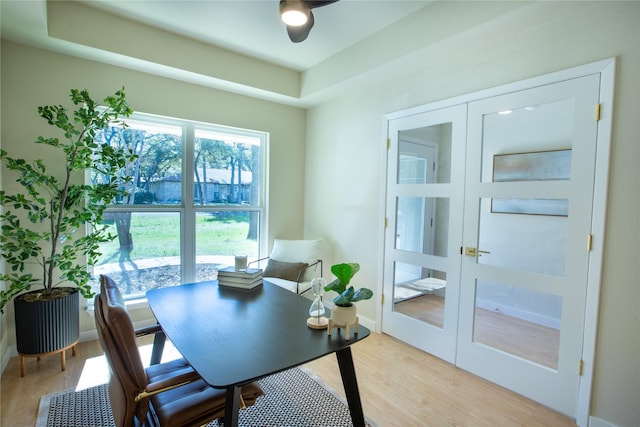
(134, 304)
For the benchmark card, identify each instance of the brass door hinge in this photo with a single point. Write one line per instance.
(388, 143)
(386, 222)
(581, 367)
(589, 242)
(382, 299)
(597, 112)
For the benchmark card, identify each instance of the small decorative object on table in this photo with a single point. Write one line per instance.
(248, 278)
(317, 319)
(241, 262)
(344, 314)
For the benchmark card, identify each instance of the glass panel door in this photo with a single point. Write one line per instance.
(528, 198)
(423, 234)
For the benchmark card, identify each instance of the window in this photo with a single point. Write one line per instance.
(197, 198)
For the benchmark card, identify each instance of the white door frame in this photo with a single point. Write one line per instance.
(606, 69)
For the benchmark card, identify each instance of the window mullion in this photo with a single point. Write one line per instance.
(188, 222)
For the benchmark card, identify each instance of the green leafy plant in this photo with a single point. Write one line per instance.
(41, 221)
(346, 294)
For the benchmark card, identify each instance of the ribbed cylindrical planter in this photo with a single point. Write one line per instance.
(47, 327)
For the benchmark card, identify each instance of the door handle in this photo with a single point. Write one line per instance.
(469, 251)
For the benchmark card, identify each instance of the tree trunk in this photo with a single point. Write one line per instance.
(123, 227)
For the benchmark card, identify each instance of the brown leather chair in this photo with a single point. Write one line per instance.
(164, 394)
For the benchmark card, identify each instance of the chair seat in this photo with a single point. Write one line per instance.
(289, 285)
(193, 404)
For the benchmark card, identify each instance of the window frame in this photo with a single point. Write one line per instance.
(187, 208)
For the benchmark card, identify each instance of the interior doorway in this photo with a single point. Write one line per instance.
(502, 291)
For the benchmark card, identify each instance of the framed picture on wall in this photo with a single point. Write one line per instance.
(535, 166)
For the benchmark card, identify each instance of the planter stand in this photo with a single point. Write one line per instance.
(63, 360)
(347, 328)
(343, 317)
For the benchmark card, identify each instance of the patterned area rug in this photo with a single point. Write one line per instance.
(292, 398)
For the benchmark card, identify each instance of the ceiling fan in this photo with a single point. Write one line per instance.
(298, 17)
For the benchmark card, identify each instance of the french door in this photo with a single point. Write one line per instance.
(422, 245)
(502, 291)
(528, 202)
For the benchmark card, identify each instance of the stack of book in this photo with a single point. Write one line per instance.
(246, 279)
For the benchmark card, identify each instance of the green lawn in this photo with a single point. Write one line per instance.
(157, 235)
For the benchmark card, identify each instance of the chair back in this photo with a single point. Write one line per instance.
(307, 251)
(117, 337)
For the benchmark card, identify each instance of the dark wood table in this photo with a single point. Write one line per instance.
(232, 337)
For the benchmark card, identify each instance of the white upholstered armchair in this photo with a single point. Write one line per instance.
(292, 264)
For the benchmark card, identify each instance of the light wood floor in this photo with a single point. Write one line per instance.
(528, 340)
(399, 386)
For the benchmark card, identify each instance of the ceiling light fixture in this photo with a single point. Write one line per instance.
(294, 12)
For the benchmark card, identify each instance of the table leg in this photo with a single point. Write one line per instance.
(348, 373)
(158, 347)
(232, 407)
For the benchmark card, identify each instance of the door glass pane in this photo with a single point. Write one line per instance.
(419, 292)
(422, 225)
(532, 243)
(522, 322)
(424, 155)
(532, 129)
(220, 235)
(227, 169)
(146, 253)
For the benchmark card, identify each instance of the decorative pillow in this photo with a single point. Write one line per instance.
(283, 270)
(297, 251)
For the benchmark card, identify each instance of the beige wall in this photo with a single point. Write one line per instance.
(445, 50)
(33, 77)
(345, 145)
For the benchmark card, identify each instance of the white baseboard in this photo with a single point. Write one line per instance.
(367, 323)
(597, 422)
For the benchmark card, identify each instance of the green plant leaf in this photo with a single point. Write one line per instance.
(345, 271)
(335, 286)
(345, 298)
(362, 294)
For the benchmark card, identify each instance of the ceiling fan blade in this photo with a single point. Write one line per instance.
(298, 34)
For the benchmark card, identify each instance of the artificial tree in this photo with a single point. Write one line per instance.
(52, 225)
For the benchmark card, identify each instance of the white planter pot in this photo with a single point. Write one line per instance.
(343, 316)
